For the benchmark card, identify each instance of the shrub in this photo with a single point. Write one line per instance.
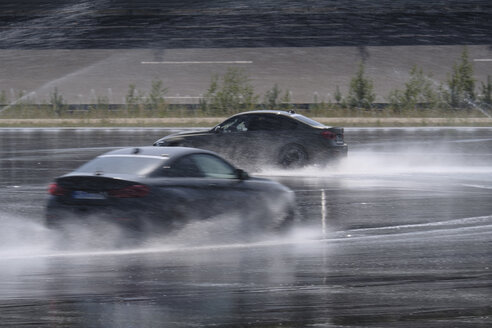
(134, 97)
(461, 84)
(56, 101)
(418, 90)
(486, 96)
(338, 95)
(271, 100)
(156, 100)
(361, 94)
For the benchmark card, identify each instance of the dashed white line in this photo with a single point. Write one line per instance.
(183, 97)
(483, 60)
(197, 62)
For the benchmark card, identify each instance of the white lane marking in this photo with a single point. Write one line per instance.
(183, 97)
(196, 62)
(483, 60)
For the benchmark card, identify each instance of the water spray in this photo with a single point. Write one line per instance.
(68, 14)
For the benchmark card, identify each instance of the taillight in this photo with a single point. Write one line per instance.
(328, 135)
(134, 191)
(56, 190)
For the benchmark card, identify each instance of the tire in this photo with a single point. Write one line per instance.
(287, 222)
(292, 156)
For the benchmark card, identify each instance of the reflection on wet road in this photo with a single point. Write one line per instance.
(398, 235)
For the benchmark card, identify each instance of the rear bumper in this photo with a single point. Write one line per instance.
(57, 215)
(331, 154)
(339, 150)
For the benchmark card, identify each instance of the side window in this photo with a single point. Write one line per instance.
(235, 124)
(184, 167)
(271, 123)
(255, 124)
(287, 124)
(213, 167)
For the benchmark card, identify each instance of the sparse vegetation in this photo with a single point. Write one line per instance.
(229, 93)
(156, 100)
(271, 100)
(233, 92)
(134, 98)
(274, 100)
(419, 92)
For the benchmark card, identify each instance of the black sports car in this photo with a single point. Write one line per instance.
(277, 138)
(159, 189)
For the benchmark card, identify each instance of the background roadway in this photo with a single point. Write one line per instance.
(92, 50)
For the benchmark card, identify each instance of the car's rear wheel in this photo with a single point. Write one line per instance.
(292, 156)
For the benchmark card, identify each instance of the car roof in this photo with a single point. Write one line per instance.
(277, 112)
(165, 152)
(290, 114)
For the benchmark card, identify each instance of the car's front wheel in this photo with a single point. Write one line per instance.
(287, 221)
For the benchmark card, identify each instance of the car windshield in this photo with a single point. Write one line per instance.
(121, 164)
(309, 121)
(235, 124)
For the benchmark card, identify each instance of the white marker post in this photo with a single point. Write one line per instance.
(323, 212)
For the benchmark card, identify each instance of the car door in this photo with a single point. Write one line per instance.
(226, 191)
(231, 137)
(267, 133)
(204, 185)
(254, 204)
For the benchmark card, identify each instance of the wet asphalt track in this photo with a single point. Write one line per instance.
(406, 242)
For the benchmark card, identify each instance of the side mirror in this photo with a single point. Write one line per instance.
(242, 175)
(217, 129)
